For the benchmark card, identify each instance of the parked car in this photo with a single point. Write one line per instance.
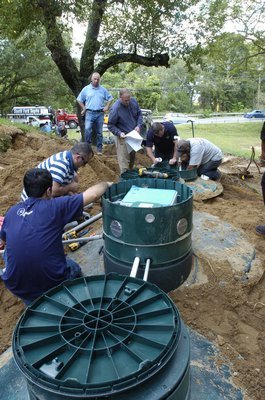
(255, 114)
(177, 118)
(37, 122)
(31, 120)
(147, 121)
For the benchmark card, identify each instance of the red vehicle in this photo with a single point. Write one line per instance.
(70, 119)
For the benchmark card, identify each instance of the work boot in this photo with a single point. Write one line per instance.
(260, 230)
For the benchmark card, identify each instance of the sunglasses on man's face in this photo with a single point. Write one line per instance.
(83, 159)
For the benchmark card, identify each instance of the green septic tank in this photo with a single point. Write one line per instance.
(161, 234)
(173, 172)
(107, 337)
(188, 174)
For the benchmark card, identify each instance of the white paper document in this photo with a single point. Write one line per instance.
(133, 141)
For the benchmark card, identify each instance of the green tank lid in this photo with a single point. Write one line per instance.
(173, 172)
(96, 336)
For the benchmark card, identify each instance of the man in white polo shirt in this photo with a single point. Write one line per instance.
(201, 154)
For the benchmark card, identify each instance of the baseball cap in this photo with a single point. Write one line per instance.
(183, 146)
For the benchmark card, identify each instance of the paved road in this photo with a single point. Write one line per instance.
(222, 120)
(219, 120)
(215, 120)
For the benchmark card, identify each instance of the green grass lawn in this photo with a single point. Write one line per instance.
(72, 134)
(233, 138)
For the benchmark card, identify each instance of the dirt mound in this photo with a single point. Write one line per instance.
(227, 311)
(20, 151)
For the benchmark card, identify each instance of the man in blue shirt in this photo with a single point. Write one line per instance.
(61, 129)
(46, 128)
(164, 138)
(125, 116)
(94, 100)
(32, 231)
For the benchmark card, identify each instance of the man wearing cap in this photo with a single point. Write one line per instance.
(201, 154)
(94, 101)
(164, 137)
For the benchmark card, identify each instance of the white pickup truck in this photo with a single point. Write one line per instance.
(28, 119)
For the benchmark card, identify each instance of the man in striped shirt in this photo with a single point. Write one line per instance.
(63, 167)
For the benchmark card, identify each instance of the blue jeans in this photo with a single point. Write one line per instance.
(210, 169)
(94, 120)
(73, 269)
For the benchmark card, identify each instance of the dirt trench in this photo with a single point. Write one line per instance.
(231, 315)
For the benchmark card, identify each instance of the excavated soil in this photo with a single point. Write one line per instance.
(231, 315)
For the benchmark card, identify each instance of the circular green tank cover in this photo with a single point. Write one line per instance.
(96, 335)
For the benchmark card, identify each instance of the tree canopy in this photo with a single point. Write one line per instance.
(29, 76)
(248, 18)
(224, 71)
(118, 31)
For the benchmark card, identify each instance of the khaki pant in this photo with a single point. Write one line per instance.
(125, 159)
(262, 157)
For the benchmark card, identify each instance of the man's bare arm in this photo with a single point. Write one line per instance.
(173, 160)
(107, 105)
(62, 190)
(83, 107)
(150, 154)
(95, 192)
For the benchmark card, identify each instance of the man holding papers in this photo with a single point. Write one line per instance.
(125, 121)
